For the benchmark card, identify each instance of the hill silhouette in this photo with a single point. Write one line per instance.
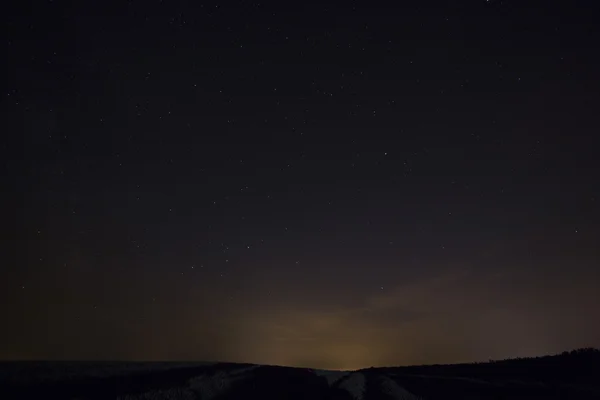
(570, 375)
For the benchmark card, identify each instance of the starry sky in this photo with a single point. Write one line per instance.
(335, 184)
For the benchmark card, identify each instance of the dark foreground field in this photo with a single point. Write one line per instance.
(574, 375)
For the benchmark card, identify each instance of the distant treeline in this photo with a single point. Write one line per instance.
(576, 367)
(577, 355)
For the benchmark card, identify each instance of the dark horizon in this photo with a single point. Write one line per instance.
(224, 362)
(333, 184)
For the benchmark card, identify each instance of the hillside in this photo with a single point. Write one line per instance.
(569, 375)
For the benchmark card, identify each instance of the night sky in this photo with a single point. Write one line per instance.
(335, 184)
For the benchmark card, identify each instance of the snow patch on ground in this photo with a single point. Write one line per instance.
(331, 376)
(355, 385)
(395, 391)
(205, 387)
(209, 387)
